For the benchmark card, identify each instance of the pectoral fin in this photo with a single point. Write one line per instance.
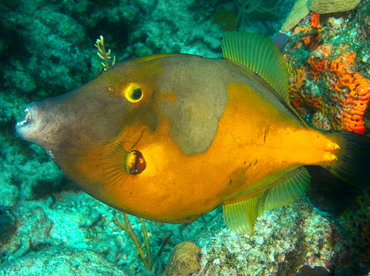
(119, 164)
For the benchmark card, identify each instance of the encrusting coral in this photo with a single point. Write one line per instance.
(344, 106)
(329, 6)
(299, 11)
(303, 7)
(184, 259)
(326, 89)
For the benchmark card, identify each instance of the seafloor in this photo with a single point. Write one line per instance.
(49, 227)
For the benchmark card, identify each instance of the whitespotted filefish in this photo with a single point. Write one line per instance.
(170, 137)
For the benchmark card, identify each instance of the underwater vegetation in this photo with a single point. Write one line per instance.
(259, 9)
(147, 260)
(47, 49)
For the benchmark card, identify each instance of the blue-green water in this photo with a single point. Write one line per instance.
(49, 227)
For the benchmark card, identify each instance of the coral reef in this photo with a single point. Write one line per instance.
(299, 11)
(344, 105)
(286, 239)
(61, 261)
(326, 87)
(330, 6)
(303, 7)
(330, 88)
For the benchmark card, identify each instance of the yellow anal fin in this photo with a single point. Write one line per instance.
(289, 189)
(241, 216)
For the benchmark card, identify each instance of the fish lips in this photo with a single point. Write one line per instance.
(29, 127)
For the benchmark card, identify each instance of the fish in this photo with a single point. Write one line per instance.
(169, 137)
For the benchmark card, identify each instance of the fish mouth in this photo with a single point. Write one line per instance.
(27, 119)
(29, 127)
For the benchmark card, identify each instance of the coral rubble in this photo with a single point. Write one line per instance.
(286, 239)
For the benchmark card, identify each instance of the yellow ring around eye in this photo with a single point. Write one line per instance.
(134, 92)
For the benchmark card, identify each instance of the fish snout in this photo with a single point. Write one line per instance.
(29, 127)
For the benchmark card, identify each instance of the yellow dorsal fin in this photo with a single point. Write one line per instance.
(152, 57)
(261, 55)
(241, 216)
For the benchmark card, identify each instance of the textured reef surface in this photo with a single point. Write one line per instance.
(50, 227)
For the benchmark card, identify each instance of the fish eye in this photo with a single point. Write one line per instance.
(134, 92)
